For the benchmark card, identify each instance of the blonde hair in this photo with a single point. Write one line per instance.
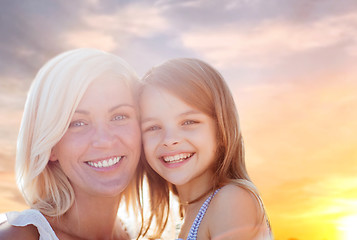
(201, 86)
(52, 99)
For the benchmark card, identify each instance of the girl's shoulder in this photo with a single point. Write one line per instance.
(234, 199)
(235, 211)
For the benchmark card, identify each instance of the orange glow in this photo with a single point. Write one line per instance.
(292, 71)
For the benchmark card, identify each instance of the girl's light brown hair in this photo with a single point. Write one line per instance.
(201, 86)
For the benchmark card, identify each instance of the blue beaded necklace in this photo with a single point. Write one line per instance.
(192, 235)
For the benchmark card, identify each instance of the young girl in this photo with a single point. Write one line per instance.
(194, 149)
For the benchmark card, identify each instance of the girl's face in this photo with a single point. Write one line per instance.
(179, 140)
(100, 151)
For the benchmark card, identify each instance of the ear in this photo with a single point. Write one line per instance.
(53, 156)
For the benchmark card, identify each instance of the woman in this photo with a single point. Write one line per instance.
(78, 149)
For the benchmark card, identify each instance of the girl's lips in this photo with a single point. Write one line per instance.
(177, 157)
(105, 163)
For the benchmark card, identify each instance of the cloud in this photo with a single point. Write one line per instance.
(30, 34)
(301, 149)
(42, 30)
(311, 204)
(92, 2)
(112, 30)
(91, 39)
(136, 20)
(270, 41)
(225, 5)
(12, 100)
(291, 66)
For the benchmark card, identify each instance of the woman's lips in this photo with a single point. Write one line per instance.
(109, 162)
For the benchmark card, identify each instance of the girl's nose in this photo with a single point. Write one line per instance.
(170, 143)
(103, 138)
(170, 139)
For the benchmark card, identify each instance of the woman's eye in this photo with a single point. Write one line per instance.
(77, 124)
(119, 117)
(189, 122)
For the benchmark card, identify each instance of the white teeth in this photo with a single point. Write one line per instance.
(177, 158)
(105, 163)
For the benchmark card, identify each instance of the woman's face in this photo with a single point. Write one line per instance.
(100, 151)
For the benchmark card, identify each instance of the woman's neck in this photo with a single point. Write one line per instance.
(90, 217)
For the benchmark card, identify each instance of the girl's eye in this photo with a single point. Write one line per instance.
(189, 122)
(119, 117)
(77, 124)
(152, 128)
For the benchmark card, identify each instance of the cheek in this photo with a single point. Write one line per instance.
(147, 145)
(150, 142)
(208, 139)
(150, 159)
(69, 145)
(130, 134)
(212, 144)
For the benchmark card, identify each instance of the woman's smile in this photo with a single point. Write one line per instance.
(103, 137)
(106, 163)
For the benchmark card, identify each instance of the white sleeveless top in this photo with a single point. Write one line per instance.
(34, 217)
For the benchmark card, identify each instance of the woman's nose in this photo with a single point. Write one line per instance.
(103, 137)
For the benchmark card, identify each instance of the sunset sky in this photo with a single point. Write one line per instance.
(291, 66)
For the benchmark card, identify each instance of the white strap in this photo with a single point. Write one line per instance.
(34, 217)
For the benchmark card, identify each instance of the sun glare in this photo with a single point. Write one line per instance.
(348, 227)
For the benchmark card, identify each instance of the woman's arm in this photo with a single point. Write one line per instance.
(10, 232)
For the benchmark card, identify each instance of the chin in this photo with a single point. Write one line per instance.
(112, 192)
(177, 181)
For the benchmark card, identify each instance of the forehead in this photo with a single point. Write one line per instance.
(106, 90)
(158, 94)
(156, 100)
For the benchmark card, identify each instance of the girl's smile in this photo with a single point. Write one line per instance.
(179, 140)
(177, 157)
(176, 160)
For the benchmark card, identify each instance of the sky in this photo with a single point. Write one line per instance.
(290, 64)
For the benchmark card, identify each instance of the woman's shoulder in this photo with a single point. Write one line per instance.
(8, 231)
(28, 224)
(235, 211)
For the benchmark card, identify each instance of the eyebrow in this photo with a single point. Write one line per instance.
(190, 112)
(120, 106)
(110, 110)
